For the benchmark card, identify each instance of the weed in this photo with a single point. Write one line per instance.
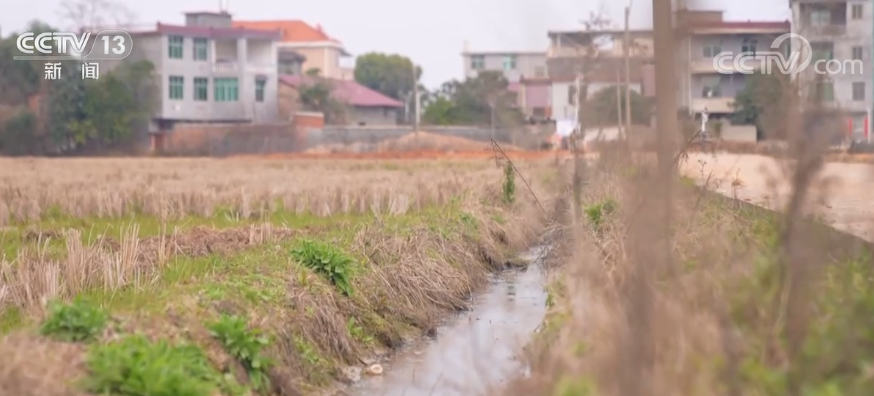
(134, 366)
(598, 213)
(245, 345)
(508, 189)
(75, 322)
(357, 332)
(326, 261)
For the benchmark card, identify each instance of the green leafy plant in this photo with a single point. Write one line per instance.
(246, 345)
(75, 322)
(135, 366)
(357, 332)
(326, 261)
(598, 213)
(509, 186)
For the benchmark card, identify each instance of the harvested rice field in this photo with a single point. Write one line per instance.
(244, 276)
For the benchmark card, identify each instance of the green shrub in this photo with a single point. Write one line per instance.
(246, 345)
(75, 322)
(134, 366)
(509, 186)
(326, 261)
(598, 213)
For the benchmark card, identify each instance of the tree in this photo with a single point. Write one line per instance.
(316, 94)
(484, 100)
(83, 14)
(440, 111)
(762, 103)
(389, 74)
(602, 110)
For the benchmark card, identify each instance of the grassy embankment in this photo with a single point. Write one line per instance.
(199, 277)
(743, 307)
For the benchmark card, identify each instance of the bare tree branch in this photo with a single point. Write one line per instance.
(94, 14)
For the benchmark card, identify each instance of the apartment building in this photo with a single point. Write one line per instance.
(207, 71)
(701, 84)
(515, 65)
(570, 53)
(317, 50)
(840, 32)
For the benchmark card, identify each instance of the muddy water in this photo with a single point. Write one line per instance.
(477, 351)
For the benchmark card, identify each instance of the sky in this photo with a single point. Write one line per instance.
(431, 32)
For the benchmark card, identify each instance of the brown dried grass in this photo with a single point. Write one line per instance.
(413, 278)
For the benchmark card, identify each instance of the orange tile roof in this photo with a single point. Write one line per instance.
(292, 31)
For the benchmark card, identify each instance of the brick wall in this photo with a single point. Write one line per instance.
(220, 140)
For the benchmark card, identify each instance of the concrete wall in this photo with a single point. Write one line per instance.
(739, 133)
(242, 139)
(372, 116)
(248, 59)
(527, 64)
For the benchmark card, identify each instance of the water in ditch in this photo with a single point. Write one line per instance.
(477, 351)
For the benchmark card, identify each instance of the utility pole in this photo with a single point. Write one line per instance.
(619, 107)
(415, 100)
(666, 90)
(627, 52)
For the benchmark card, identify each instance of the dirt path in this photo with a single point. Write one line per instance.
(843, 195)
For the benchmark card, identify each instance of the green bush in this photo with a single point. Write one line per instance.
(598, 213)
(246, 345)
(134, 366)
(75, 322)
(326, 261)
(509, 186)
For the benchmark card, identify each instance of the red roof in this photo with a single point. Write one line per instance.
(293, 31)
(349, 91)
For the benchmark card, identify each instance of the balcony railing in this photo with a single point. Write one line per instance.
(230, 67)
(823, 30)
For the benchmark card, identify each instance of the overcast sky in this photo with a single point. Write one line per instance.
(431, 32)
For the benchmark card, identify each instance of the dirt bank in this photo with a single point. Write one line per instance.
(841, 195)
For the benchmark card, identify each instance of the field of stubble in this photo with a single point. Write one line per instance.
(205, 277)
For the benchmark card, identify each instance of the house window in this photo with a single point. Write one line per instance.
(259, 89)
(226, 90)
(822, 51)
(572, 95)
(201, 89)
(177, 87)
(856, 12)
(510, 62)
(711, 50)
(857, 53)
(820, 17)
(201, 53)
(175, 45)
(477, 62)
(748, 46)
(540, 71)
(711, 87)
(858, 91)
(823, 92)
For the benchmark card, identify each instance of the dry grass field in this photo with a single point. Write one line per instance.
(746, 301)
(241, 276)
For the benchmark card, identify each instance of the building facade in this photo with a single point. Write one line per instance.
(207, 71)
(513, 65)
(318, 49)
(841, 33)
(703, 85)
